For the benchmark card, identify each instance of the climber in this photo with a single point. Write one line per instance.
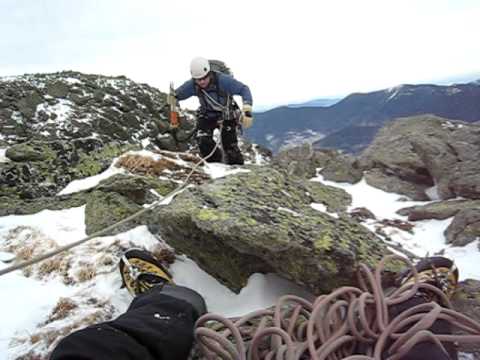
(215, 90)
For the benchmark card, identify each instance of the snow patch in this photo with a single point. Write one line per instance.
(91, 181)
(3, 158)
(219, 170)
(260, 292)
(72, 81)
(322, 208)
(294, 213)
(382, 204)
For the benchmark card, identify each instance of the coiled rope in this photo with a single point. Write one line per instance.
(351, 323)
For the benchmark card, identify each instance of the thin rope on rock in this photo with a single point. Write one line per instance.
(139, 213)
(350, 323)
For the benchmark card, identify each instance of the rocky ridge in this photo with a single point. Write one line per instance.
(258, 220)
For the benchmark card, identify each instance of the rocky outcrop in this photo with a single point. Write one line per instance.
(43, 168)
(304, 161)
(15, 206)
(414, 154)
(72, 105)
(262, 221)
(439, 210)
(464, 228)
(120, 196)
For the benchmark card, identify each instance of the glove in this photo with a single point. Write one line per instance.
(247, 118)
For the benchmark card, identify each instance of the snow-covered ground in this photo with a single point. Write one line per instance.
(427, 237)
(27, 302)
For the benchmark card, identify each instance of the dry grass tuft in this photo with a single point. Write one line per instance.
(63, 309)
(145, 165)
(86, 273)
(164, 255)
(49, 266)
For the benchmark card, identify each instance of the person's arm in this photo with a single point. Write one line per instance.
(186, 90)
(235, 87)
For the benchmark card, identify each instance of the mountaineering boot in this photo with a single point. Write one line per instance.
(140, 271)
(437, 271)
(233, 156)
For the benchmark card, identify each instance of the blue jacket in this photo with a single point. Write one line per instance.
(227, 85)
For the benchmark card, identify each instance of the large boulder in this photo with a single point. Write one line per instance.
(304, 161)
(262, 221)
(120, 196)
(464, 228)
(424, 151)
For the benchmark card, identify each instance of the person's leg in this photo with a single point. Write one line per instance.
(205, 141)
(157, 325)
(233, 155)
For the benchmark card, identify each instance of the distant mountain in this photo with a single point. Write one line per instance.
(316, 103)
(351, 123)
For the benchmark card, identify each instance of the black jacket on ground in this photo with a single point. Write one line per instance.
(158, 325)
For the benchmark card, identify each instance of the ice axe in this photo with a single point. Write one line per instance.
(172, 102)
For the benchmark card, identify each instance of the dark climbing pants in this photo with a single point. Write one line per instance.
(158, 325)
(206, 144)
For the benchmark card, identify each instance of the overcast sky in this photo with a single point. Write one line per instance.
(286, 51)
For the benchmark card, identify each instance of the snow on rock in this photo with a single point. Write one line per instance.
(3, 158)
(219, 170)
(91, 181)
(382, 204)
(322, 208)
(427, 237)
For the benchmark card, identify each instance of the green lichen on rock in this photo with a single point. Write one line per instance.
(27, 152)
(106, 208)
(137, 188)
(16, 206)
(262, 220)
(94, 162)
(335, 199)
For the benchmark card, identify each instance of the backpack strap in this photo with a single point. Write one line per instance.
(201, 93)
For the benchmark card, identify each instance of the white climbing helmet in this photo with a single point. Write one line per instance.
(199, 67)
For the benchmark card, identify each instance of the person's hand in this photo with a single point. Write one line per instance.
(247, 118)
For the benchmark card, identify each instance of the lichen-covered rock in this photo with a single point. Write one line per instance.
(438, 210)
(14, 206)
(424, 151)
(464, 228)
(335, 199)
(71, 105)
(382, 179)
(137, 188)
(106, 208)
(343, 168)
(262, 221)
(303, 161)
(26, 152)
(45, 167)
